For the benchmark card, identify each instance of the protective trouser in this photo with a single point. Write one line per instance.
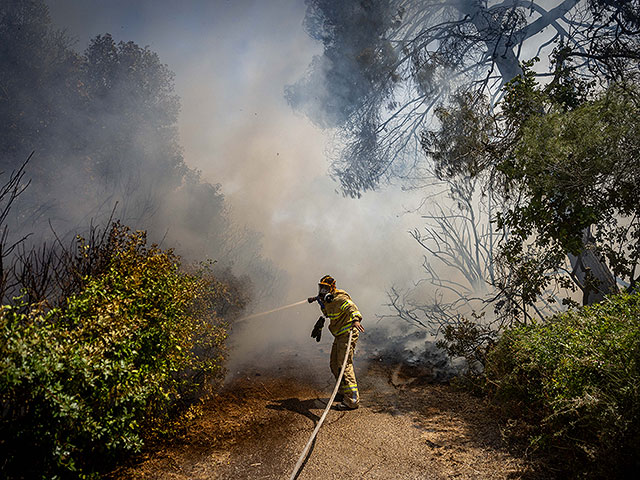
(348, 385)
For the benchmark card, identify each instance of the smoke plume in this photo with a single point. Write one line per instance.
(258, 172)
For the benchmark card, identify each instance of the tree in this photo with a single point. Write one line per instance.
(132, 112)
(609, 44)
(104, 127)
(570, 176)
(39, 77)
(460, 275)
(388, 63)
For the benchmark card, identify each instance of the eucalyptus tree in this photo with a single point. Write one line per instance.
(569, 176)
(389, 65)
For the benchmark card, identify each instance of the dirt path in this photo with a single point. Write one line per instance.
(405, 429)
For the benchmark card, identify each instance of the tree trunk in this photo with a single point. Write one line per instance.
(590, 272)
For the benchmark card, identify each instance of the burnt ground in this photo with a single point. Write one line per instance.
(407, 428)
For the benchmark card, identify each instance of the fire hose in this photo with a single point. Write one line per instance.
(324, 414)
(296, 470)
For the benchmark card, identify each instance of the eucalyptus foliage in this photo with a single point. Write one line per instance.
(387, 64)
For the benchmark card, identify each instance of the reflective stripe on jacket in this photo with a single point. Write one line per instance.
(341, 312)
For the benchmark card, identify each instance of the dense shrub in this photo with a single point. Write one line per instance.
(574, 383)
(83, 383)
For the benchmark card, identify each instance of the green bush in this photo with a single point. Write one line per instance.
(82, 384)
(574, 381)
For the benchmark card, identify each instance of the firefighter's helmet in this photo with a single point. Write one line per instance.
(329, 282)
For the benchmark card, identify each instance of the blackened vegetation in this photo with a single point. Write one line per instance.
(9, 192)
(49, 273)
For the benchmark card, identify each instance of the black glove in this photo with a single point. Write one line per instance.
(317, 329)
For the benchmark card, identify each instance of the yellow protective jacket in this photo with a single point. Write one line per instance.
(342, 312)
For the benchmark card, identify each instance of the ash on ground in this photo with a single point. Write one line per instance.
(415, 355)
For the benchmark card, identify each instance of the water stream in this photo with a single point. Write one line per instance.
(254, 315)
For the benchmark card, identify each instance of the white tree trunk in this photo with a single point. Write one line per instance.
(590, 272)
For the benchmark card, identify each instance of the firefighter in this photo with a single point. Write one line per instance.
(343, 316)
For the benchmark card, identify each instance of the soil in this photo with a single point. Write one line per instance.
(406, 428)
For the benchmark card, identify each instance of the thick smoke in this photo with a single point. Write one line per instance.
(103, 126)
(356, 59)
(231, 62)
